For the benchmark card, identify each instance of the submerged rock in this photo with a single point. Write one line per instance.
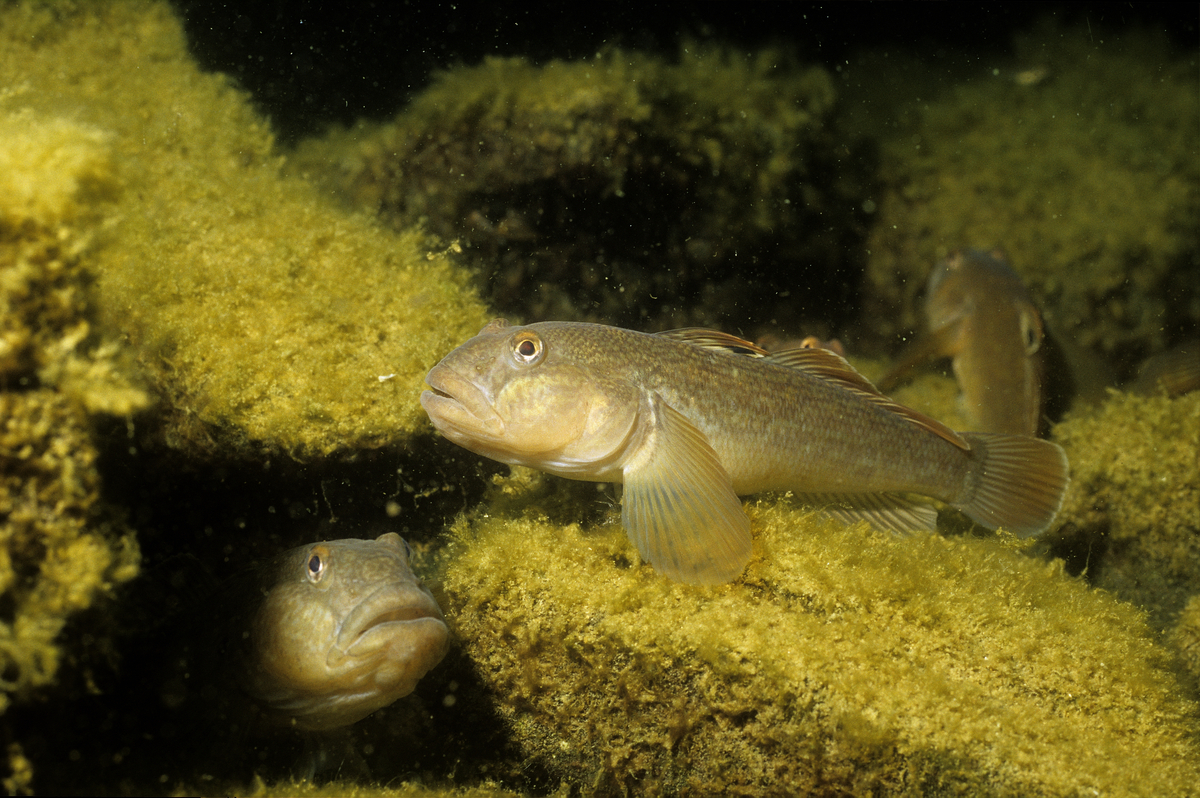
(63, 549)
(626, 188)
(1131, 517)
(845, 662)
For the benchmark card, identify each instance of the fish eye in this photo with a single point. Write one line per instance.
(1031, 331)
(527, 348)
(318, 558)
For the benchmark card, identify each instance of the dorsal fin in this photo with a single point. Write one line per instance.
(715, 340)
(824, 363)
(833, 368)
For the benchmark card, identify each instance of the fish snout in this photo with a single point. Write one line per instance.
(384, 648)
(459, 408)
(394, 609)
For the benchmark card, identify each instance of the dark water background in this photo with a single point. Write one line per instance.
(311, 64)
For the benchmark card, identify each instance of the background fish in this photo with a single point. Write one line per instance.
(263, 669)
(773, 343)
(982, 316)
(689, 419)
(1173, 372)
(344, 628)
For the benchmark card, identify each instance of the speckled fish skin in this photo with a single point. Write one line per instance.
(688, 420)
(344, 629)
(982, 316)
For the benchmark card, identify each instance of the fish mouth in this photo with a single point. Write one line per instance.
(392, 610)
(458, 408)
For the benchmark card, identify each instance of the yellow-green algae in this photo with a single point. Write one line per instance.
(845, 662)
(1087, 179)
(337, 789)
(725, 112)
(55, 180)
(1135, 497)
(550, 172)
(266, 317)
(1185, 636)
(139, 204)
(61, 549)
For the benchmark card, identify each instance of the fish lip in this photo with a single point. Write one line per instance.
(391, 603)
(458, 407)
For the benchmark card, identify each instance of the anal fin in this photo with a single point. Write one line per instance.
(886, 512)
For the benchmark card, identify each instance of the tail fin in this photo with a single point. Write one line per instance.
(1016, 482)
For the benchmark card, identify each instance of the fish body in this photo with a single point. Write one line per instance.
(982, 316)
(689, 420)
(344, 628)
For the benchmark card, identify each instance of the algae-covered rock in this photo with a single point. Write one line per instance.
(1087, 177)
(1185, 637)
(52, 169)
(62, 550)
(337, 789)
(845, 662)
(1132, 511)
(266, 318)
(56, 180)
(143, 221)
(625, 188)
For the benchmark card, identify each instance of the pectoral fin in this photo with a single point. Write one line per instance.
(679, 507)
(945, 341)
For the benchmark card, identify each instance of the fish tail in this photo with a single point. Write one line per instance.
(1016, 482)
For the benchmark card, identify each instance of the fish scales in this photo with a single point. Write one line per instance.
(689, 419)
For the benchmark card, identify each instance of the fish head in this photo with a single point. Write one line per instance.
(970, 281)
(345, 629)
(531, 396)
(985, 318)
(949, 294)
